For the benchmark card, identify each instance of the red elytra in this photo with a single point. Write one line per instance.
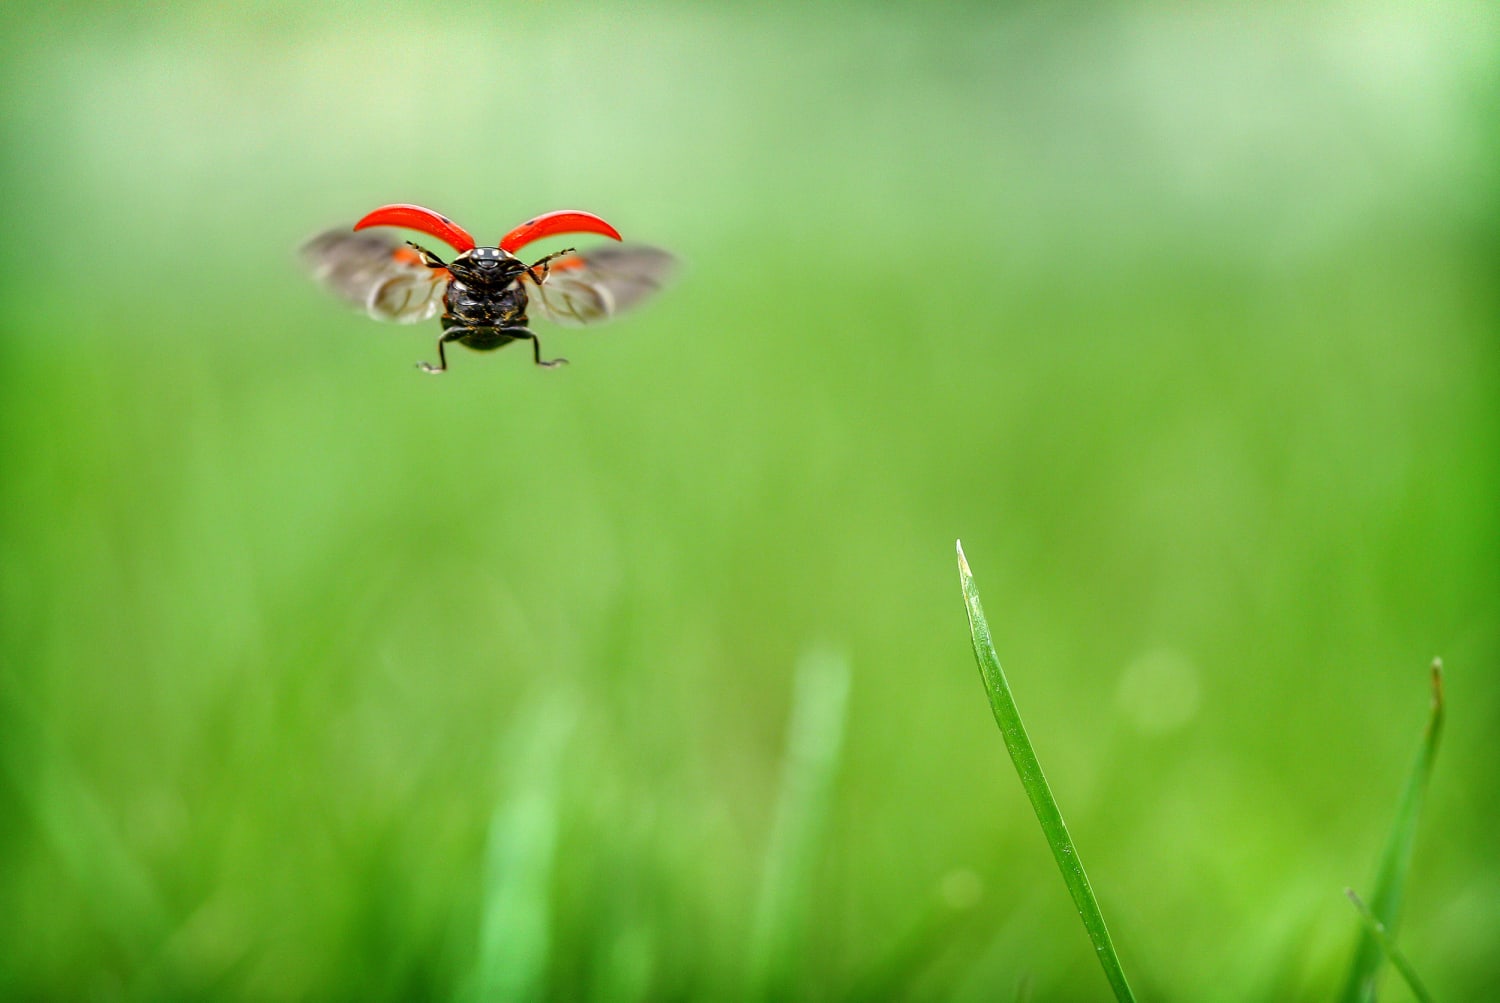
(415, 217)
(550, 223)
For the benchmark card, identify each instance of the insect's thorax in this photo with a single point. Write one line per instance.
(485, 305)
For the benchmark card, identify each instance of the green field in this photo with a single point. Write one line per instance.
(649, 677)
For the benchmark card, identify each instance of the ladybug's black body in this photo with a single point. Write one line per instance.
(484, 306)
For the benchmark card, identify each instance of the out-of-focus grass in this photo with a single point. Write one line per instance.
(1395, 865)
(515, 923)
(1377, 932)
(1187, 320)
(815, 735)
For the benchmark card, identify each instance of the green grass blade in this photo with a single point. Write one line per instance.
(1376, 930)
(1395, 861)
(815, 737)
(1008, 717)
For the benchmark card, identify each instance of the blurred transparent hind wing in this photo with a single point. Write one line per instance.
(595, 285)
(375, 273)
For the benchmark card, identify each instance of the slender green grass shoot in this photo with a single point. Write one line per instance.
(1376, 930)
(1008, 717)
(1395, 861)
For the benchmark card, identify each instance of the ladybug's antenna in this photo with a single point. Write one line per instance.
(414, 217)
(551, 223)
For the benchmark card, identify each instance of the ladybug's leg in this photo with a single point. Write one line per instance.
(451, 334)
(536, 346)
(545, 265)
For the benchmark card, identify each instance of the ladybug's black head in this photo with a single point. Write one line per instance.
(486, 266)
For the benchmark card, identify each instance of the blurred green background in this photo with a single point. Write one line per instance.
(324, 679)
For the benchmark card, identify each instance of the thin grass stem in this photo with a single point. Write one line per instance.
(1395, 861)
(1008, 717)
(1376, 930)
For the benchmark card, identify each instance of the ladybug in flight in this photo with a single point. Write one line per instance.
(484, 292)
